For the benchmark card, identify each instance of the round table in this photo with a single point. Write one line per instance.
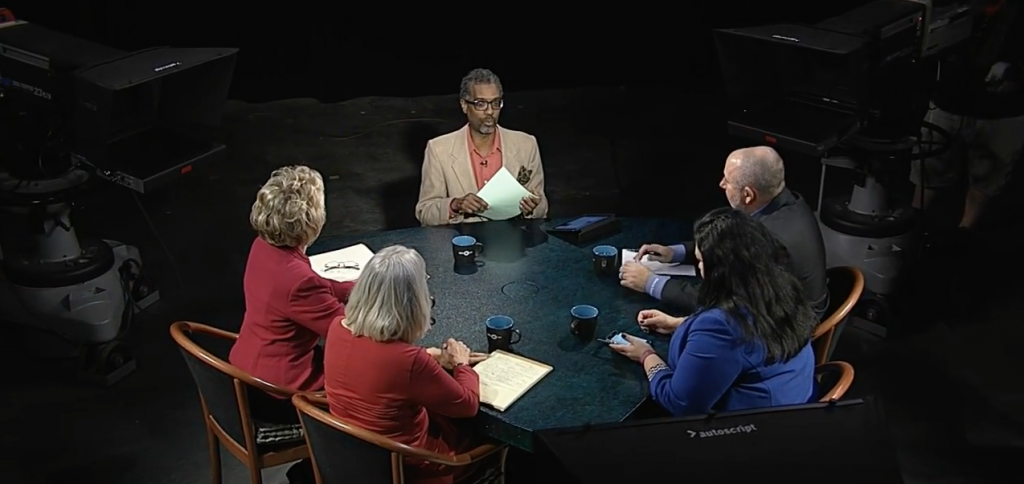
(589, 383)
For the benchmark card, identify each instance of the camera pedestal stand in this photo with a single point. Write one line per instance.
(867, 228)
(74, 297)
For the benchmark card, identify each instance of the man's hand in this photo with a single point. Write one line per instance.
(657, 321)
(997, 73)
(997, 80)
(655, 253)
(469, 204)
(634, 276)
(528, 204)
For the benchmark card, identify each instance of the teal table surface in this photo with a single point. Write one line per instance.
(536, 283)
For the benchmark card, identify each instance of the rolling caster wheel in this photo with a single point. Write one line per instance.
(873, 311)
(112, 357)
(107, 363)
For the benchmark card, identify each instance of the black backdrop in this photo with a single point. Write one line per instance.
(334, 51)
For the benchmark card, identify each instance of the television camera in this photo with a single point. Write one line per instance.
(853, 91)
(73, 113)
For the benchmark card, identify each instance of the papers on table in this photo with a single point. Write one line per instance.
(502, 194)
(342, 265)
(505, 377)
(660, 268)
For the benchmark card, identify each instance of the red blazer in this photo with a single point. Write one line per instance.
(399, 391)
(288, 307)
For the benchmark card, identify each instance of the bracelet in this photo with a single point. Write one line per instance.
(655, 369)
(647, 354)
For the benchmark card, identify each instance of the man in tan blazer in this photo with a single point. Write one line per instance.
(457, 165)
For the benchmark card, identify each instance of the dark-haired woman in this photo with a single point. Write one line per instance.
(748, 344)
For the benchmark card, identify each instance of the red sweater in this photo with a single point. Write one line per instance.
(288, 307)
(390, 388)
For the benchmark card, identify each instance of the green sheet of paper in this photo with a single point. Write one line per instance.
(502, 194)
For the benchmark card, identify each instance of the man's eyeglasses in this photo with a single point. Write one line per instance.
(481, 105)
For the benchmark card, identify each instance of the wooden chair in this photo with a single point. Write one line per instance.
(842, 372)
(344, 453)
(845, 286)
(224, 395)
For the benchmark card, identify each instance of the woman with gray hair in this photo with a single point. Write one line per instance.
(380, 380)
(288, 306)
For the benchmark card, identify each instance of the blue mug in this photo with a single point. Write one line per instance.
(584, 321)
(605, 257)
(466, 248)
(501, 333)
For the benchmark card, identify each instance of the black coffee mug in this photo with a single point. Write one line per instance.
(584, 321)
(465, 248)
(605, 257)
(501, 333)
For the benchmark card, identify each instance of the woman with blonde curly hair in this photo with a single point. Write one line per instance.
(288, 306)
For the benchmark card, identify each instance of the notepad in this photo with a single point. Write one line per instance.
(502, 194)
(660, 268)
(347, 263)
(505, 377)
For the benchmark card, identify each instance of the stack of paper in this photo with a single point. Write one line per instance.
(660, 268)
(504, 377)
(502, 194)
(342, 265)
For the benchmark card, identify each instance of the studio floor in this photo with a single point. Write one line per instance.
(950, 387)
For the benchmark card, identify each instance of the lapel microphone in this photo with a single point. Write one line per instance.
(484, 163)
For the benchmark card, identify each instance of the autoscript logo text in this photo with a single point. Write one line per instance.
(739, 429)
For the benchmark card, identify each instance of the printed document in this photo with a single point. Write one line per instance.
(502, 194)
(505, 377)
(342, 265)
(660, 268)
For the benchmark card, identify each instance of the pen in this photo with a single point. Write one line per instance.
(608, 341)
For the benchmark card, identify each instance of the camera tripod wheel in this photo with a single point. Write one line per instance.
(106, 363)
(873, 310)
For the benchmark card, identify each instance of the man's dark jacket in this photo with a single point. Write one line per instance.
(792, 222)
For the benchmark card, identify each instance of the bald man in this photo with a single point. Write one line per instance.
(754, 181)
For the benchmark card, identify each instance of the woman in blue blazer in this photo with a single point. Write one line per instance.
(748, 344)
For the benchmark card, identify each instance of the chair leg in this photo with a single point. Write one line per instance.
(255, 474)
(214, 445)
(501, 465)
(254, 463)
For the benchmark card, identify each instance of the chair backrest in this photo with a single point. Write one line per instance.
(837, 376)
(343, 453)
(222, 387)
(216, 384)
(845, 286)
